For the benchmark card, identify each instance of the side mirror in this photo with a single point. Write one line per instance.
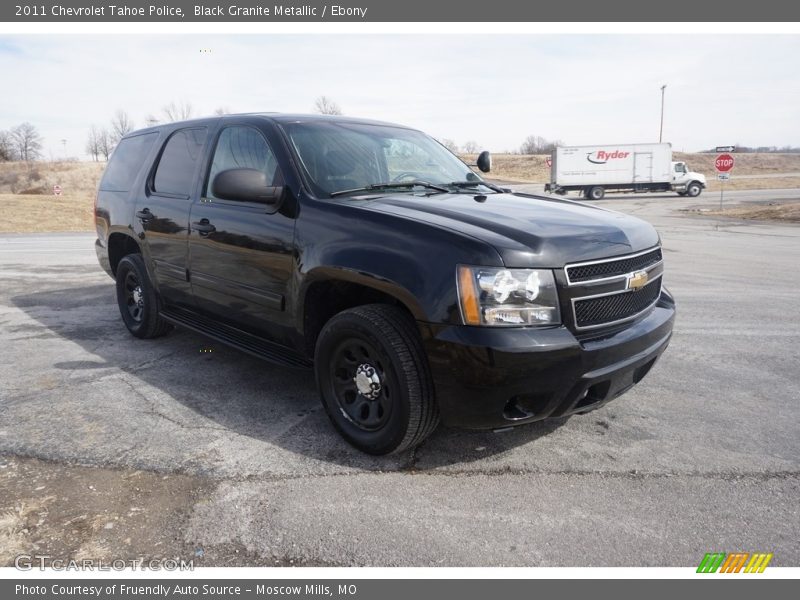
(245, 185)
(484, 161)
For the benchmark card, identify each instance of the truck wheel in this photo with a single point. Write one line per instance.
(137, 300)
(693, 189)
(682, 193)
(374, 379)
(596, 193)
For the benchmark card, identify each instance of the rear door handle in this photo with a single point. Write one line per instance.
(203, 227)
(144, 214)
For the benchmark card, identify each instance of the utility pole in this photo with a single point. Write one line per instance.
(661, 130)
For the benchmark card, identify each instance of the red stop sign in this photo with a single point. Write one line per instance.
(724, 163)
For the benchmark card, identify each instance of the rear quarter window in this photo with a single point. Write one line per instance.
(126, 161)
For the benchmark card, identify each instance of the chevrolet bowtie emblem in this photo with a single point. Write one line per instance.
(637, 280)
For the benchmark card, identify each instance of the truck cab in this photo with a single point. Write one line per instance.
(685, 181)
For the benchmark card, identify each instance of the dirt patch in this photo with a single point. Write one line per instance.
(71, 512)
(773, 211)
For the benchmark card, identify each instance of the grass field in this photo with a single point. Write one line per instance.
(26, 189)
(788, 211)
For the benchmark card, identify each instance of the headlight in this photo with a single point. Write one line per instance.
(507, 297)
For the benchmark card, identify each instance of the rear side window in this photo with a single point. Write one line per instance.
(126, 161)
(178, 164)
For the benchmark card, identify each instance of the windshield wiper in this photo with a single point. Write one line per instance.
(464, 184)
(390, 185)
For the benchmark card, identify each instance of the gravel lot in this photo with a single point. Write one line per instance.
(231, 460)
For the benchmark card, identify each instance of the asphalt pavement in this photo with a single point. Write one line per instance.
(702, 456)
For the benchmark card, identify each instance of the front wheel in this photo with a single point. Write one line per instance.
(137, 299)
(374, 379)
(693, 189)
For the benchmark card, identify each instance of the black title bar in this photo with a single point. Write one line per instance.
(601, 11)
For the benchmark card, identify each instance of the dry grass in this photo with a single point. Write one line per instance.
(26, 194)
(786, 211)
(75, 178)
(34, 214)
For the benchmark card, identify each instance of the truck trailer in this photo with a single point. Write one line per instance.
(593, 170)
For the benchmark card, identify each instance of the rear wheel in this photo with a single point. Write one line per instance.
(137, 299)
(374, 379)
(693, 189)
(596, 193)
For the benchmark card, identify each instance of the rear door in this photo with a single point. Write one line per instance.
(162, 212)
(643, 167)
(241, 253)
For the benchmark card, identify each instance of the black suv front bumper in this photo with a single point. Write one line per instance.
(489, 378)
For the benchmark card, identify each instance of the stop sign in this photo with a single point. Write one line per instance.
(724, 163)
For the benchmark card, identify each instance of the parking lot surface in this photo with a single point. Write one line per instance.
(235, 454)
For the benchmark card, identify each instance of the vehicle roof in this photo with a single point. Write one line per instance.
(271, 116)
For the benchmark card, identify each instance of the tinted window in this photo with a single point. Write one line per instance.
(126, 161)
(176, 169)
(242, 148)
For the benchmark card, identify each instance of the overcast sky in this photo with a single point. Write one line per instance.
(493, 89)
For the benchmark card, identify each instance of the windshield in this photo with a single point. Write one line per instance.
(340, 156)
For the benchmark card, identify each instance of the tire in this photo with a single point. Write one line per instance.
(693, 189)
(137, 299)
(681, 193)
(596, 193)
(374, 379)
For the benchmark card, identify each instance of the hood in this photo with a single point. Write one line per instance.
(527, 231)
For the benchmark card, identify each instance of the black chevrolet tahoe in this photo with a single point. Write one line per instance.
(416, 290)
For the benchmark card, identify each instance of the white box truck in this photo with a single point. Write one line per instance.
(593, 170)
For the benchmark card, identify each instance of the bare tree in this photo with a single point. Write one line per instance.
(178, 111)
(121, 125)
(6, 146)
(222, 110)
(449, 144)
(325, 106)
(104, 143)
(536, 144)
(27, 141)
(471, 147)
(93, 143)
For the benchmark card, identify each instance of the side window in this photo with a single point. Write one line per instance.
(242, 147)
(126, 161)
(177, 167)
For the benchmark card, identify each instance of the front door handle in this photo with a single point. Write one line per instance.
(203, 227)
(144, 214)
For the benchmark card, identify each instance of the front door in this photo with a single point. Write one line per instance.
(162, 213)
(241, 253)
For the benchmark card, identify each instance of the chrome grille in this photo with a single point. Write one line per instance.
(616, 307)
(599, 290)
(613, 267)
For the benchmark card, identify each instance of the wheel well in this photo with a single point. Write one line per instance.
(119, 246)
(325, 299)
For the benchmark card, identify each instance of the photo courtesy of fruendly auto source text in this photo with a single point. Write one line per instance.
(376, 300)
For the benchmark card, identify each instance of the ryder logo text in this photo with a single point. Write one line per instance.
(601, 157)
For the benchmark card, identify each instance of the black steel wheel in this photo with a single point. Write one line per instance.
(374, 379)
(137, 299)
(362, 386)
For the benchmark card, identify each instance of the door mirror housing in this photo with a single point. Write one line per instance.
(484, 162)
(245, 185)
